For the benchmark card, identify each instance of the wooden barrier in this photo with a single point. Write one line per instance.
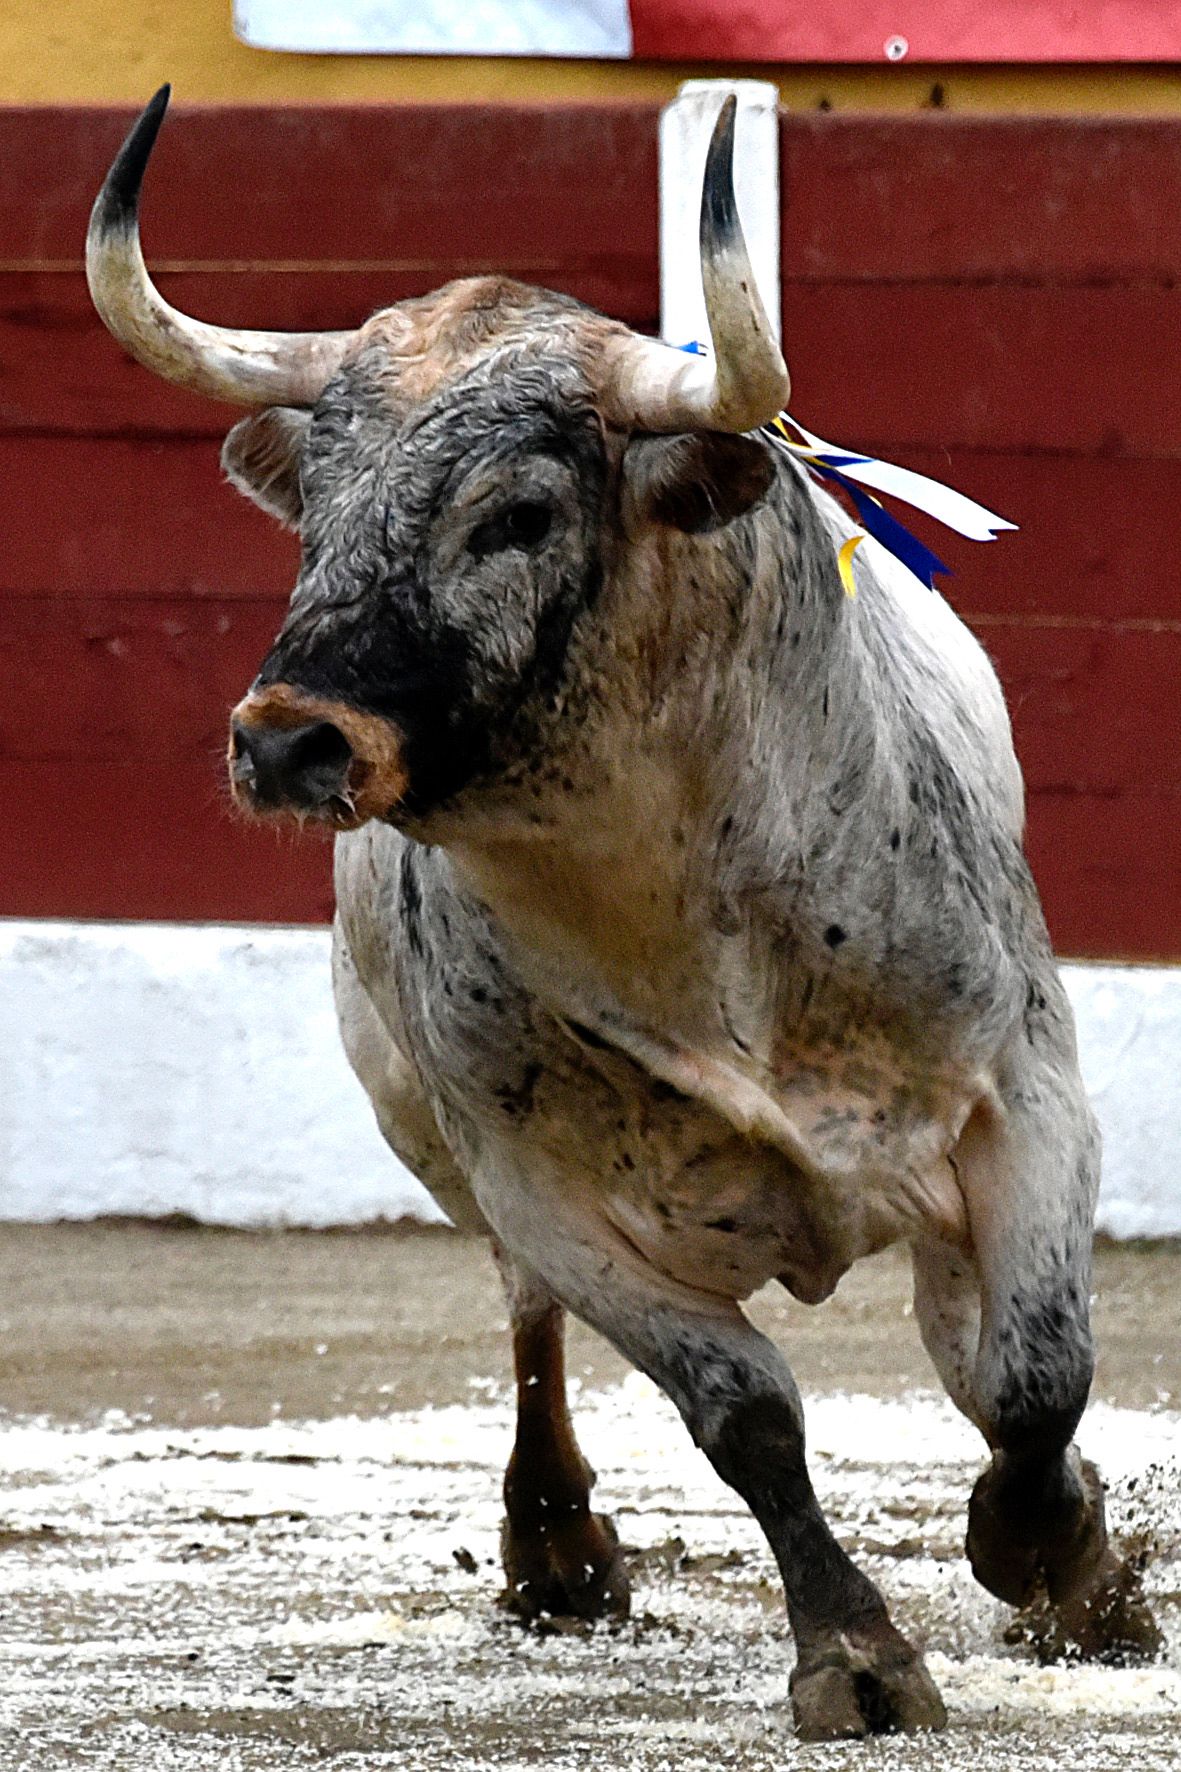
(989, 299)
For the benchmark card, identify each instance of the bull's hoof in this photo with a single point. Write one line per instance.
(565, 1569)
(864, 1681)
(1021, 1543)
(1108, 1619)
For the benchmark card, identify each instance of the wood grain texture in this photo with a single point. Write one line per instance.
(152, 519)
(433, 184)
(877, 197)
(995, 368)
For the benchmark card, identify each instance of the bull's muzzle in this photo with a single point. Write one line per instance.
(306, 757)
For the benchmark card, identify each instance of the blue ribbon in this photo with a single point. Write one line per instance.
(893, 535)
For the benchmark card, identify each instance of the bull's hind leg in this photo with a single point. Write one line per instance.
(1037, 1532)
(560, 1559)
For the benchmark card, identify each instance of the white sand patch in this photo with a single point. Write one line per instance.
(986, 1684)
(363, 1629)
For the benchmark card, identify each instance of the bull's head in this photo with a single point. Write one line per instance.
(462, 469)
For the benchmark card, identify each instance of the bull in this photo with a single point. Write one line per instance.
(685, 939)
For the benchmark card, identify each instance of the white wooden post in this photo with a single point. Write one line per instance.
(685, 128)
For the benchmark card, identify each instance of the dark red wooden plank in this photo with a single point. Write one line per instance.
(1068, 368)
(107, 680)
(1096, 537)
(345, 182)
(86, 516)
(154, 518)
(1043, 200)
(145, 839)
(1095, 707)
(894, 365)
(1109, 870)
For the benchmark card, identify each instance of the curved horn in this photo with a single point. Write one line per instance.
(248, 368)
(745, 383)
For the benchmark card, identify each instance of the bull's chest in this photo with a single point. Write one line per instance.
(721, 1172)
(709, 1203)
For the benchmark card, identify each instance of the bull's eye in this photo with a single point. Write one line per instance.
(523, 525)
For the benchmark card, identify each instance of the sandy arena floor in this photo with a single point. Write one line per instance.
(249, 1500)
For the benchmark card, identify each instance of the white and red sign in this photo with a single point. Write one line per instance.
(725, 30)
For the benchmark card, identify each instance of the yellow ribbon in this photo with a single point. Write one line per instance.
(845, 563)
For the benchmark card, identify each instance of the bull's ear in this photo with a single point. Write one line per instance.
(261, 457)
(697, 481)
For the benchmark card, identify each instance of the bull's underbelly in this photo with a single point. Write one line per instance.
(724, 1210)
(735, 1216)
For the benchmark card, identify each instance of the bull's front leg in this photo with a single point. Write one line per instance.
(855, 1673)
(1037, 1531)
(560, 1559)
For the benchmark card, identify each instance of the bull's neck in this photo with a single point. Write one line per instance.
(704, 724)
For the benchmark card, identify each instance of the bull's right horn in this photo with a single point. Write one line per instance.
(247, 368)
(745, 383)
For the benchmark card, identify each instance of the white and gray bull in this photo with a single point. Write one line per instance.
(685, 940)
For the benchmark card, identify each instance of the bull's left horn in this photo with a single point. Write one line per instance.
(247, 368)
(745, 383)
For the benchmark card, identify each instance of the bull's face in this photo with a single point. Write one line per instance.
(450, 544)
(457, 470)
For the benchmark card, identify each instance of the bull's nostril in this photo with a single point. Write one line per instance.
(319, 747)
(303, 768)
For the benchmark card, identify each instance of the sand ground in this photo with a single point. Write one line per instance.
(249, 1500)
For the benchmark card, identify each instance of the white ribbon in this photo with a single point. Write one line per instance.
(942, 502)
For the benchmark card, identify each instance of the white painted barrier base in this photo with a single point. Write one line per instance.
(157, 1068)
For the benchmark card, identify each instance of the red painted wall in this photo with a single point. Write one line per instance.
(930, 30)
(991, 300)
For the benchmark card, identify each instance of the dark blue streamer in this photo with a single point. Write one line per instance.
(888, 530)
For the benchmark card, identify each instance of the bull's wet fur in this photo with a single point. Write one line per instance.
(684, 939)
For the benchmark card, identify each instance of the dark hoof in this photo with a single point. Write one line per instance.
(1021, 1544)
(1108, 1620)
(571, 1569)
(864, 1682)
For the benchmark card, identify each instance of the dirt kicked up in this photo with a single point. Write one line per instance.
(249, 1506)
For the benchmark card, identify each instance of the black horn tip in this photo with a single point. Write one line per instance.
(719, 210)
(118, 200)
